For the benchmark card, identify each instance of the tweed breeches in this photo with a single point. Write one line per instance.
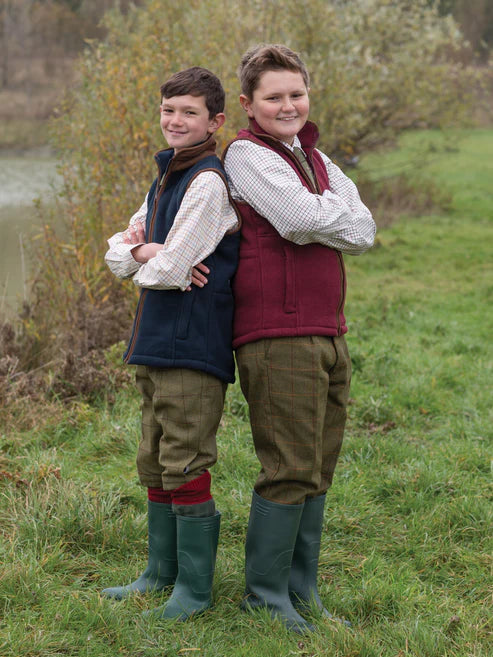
(297, 389)
(181, 411)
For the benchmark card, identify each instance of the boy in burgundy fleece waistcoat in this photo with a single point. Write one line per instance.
(299, 214)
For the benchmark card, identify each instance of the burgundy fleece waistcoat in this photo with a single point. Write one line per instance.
(282, 288)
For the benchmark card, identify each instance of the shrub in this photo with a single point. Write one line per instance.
(377, 67)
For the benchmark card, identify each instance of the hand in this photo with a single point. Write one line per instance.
(134, 234)
(143, 252)
(198, 278)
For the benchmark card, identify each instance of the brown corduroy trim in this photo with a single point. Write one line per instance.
(187, 157)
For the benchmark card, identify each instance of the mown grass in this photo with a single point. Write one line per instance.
(406, 552)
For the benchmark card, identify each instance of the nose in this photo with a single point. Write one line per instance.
(176, 119)
(287, 104)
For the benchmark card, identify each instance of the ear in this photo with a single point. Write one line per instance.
(246, 103)
(216, 122)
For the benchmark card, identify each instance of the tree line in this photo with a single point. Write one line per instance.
(378, 67)
(39, 39)
(475, 18)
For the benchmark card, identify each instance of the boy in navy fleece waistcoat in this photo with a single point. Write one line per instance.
(181, 249)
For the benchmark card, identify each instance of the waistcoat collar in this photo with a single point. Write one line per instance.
(186, 157)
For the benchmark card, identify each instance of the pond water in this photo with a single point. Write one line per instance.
(24, 177)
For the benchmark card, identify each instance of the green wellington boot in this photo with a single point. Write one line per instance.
(271, 536)
(302, 585)
(197, 540)
(162, 565)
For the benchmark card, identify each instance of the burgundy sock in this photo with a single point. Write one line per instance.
(159, 495)
(193, 492)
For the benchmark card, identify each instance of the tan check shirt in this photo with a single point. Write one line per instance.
(205, 215)
(337, 218)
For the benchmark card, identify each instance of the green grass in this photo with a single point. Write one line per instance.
(406, 552)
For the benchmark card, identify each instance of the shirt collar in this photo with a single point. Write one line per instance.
(296, 144)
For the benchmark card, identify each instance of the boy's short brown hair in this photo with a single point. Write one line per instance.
(196, 81)
(268, 57)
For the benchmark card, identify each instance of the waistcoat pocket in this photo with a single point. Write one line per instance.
(290, 286)
(185, 314)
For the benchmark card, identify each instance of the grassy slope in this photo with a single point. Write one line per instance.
(406, 552)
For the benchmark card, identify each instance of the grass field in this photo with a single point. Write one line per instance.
(407, 544)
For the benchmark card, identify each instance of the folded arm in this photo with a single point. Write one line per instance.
(336, 218)
(205, 215)
(119, 256)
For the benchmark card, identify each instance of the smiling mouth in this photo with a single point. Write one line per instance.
(287, 118)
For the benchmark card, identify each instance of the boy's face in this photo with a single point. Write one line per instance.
(185, 121)
(280, 104)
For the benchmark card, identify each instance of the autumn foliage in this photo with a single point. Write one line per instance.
(377, 67)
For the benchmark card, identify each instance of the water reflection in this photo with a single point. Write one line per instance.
(23, 178)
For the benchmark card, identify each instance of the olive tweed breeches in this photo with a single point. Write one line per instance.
(297, 390)
(181, 411)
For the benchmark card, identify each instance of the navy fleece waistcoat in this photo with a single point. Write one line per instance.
(282, 288)
(172, 328)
